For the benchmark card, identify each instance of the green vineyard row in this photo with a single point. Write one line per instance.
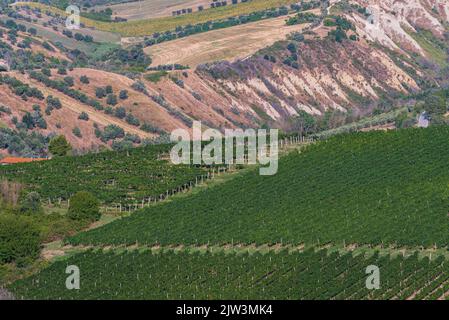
(375, 188)
(185, 275)
(113, 177)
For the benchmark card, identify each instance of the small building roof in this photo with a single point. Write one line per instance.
(14, 160)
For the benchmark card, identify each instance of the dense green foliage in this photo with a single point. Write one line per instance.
(110, 176)
(301, 18)
(23, 143)
(373, 188)
(19, 240)
(184, 275)
(59, 146)
(84, 206)
(21, 89)
(343, 25)
(31, 203)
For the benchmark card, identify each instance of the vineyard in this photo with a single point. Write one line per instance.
(162, 24)
(374, 188)
(194, 275)
(114, 177)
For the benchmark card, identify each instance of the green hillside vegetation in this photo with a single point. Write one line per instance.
(113, 177)
(435, 48)
(184, 275)
(375, 188)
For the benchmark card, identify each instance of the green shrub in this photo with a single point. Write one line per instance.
(31, 203)
(59, 146)
(123, 94)
(111, 100)
(84, 206)
(19, 240)
(77, 132)
(84, 79)
(83, 116)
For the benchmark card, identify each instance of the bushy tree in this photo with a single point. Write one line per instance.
(83, 116)
(69, 81)
(111, 100)
(100, 93)
(20, 240)
(123, 94)
(120, 112)
(59, 146)
(84, 206)
(31, 203)
(84, 79)
(77, 132)
(62, 71)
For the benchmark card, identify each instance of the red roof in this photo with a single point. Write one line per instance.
(13, 160)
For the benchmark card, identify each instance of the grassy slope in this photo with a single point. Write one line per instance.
(184, 275)
(365, 188)
(150, 26)
(435, 49)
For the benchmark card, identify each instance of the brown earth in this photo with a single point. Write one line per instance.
(230, 44)
(152, 8)
(66, 118)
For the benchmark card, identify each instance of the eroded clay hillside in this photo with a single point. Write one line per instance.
(392, 23)
(400, 47)
(390, 49)
(360, 53)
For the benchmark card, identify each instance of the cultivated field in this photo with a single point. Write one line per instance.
(184, 275)
(119, 177)
(373, 188)
(161, 24)
(225, 44)
(152, 8)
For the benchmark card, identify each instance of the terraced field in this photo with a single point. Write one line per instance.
(183, 275)
(375, 188)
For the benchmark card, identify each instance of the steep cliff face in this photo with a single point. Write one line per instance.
(391, 22)
(330, 76)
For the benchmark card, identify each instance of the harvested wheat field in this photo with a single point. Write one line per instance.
(152, 8)
(225, 44)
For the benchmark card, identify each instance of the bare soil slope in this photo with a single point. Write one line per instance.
(152, 8)
(226, 44)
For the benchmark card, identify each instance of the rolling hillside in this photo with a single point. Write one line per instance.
(376, 188)
(336, 207)
(273, 85)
